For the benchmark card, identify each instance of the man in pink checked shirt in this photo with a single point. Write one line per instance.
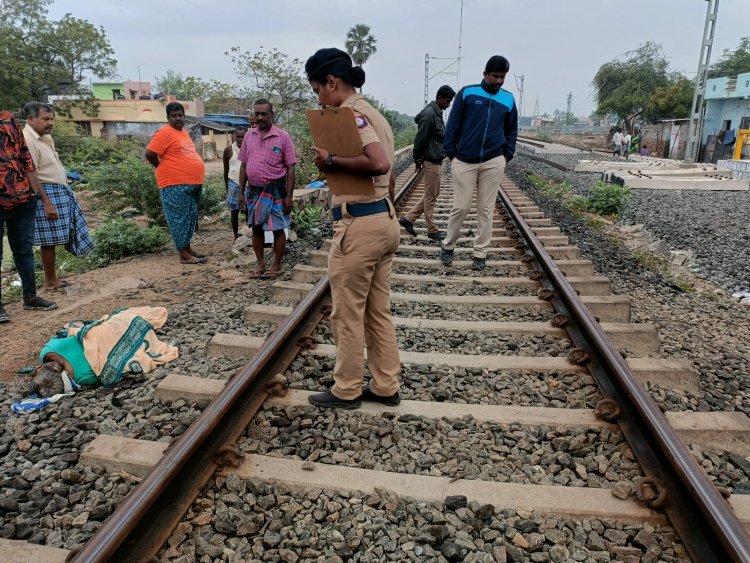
(268, 158)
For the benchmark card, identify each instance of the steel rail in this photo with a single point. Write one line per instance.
(144, 521)
(704, 521)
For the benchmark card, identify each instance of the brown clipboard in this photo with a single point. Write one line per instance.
(335, 130)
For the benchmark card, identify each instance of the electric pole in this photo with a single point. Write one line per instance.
(426, 76)
(568, 115)
(695, 130)
(519, 84)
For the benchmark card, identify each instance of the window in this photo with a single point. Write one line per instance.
(745, 123)
(727, 125)
(84, 127)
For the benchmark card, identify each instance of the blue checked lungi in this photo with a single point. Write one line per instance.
(265, 206)
(233, 195)
(69, 229)
(180, 203)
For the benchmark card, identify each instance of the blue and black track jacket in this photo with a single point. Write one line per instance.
(481, 125)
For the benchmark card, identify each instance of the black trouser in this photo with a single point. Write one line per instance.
(20, 223)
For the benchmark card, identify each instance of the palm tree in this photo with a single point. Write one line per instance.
(360, 43)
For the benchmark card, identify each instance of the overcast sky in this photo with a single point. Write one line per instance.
(558, 45)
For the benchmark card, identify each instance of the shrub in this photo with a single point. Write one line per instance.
(305, 170)
(117, 238)
(608, 199)
(213, 196)
(404, 137)
(577, 204)
(84, 154)
(130, 183)
(306, 220)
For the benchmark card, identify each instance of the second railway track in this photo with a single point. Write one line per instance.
(521, 436)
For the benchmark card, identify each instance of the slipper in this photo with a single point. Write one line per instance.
(195, 260)
(63, 285)
(256, 274)
(271, 275)
(196, 255)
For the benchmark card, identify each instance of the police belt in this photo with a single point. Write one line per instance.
(360, 209)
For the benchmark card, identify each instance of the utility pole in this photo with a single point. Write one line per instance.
(695, 130)
(460, 36)
(519, 84)
(568, 114)
(426, 76)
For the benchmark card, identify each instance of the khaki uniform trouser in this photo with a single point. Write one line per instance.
(483, 177)
(426, 204)
(359, 270)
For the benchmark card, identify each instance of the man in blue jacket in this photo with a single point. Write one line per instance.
(480, 139)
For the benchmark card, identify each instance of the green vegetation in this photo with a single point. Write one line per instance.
(641, 88)
(661, 266)
(117, 238)
(40, 56)
(553, 190)
(305, 220)
(360, 43)
(404, 137)
(734, 62)
(608, 199)
(577, 204)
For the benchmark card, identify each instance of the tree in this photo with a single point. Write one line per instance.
(360, 43)
(271, 74)
(39, 56)
(673, 101)
(734, 62)
(625, 87)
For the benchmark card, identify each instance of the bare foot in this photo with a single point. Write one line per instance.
(259, 270)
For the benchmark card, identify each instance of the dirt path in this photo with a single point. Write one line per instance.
(157, 279)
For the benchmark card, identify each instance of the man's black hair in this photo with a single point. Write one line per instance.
(497, 63)
(174, 106)
(445, 92)
(241, 127)
(33, 109)
(263, 102)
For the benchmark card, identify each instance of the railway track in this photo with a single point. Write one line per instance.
(524, 398)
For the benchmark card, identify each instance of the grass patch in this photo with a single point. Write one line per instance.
(594, 224)
(306, 221)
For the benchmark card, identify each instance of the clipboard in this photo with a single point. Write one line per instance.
(335, 130)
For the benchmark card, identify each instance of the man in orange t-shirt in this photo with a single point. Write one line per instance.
(179, 174)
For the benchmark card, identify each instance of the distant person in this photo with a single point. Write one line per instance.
(179, 173)
(645, 151)
(232, 177)
(267, 165)
(635, 143)
(69, 228)
(20, 191)
(480, 140)
(626, 145)
(617, 140)
(428, 155)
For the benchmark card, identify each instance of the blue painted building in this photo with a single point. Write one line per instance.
(727, 110)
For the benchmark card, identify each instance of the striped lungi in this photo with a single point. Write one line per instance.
(233, 195)
(69, 229)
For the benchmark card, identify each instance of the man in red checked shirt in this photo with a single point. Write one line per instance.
(268, 157)
(19, 191)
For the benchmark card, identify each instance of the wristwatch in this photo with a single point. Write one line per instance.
(328, 165)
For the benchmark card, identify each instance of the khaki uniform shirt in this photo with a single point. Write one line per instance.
(48, 165)
(375, 130)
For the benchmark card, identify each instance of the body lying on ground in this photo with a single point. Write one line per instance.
(102, 351)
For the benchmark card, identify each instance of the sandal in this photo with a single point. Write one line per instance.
(195, 260)
(270, 275)
(63, 285)
(257, 274)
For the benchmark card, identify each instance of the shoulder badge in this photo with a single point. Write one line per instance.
(361, 121)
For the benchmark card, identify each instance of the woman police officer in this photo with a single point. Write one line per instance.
(366, 235)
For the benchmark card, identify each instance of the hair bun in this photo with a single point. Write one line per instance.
(358, 76)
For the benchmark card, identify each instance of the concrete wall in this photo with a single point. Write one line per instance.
(740, 168)
(720, 110)
(658, 137)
